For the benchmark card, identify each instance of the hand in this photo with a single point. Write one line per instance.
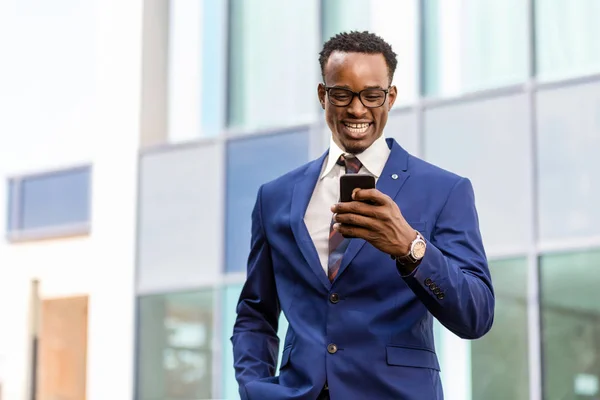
(380, 223)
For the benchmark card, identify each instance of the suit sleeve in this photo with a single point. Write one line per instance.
(255, 341)
(453, 279)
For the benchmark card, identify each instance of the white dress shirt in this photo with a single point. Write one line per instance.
(327, 191)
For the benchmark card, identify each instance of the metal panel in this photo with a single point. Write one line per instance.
(180, 228)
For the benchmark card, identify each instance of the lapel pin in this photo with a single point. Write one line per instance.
(394, 176)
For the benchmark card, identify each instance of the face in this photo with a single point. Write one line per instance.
(355, 127)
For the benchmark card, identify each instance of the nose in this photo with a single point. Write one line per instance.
(356, 108)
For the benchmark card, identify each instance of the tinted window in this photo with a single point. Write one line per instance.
(59, 200)
(250, 163)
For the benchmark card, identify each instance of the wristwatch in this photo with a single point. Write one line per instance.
(416, 252)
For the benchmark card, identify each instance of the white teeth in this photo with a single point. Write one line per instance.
(357, 128)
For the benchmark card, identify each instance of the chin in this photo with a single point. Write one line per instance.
(355, 147)
(357, 142)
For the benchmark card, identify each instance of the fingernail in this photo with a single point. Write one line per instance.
(336, 226)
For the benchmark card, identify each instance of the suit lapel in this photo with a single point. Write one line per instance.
(303, 190)
(394, 175)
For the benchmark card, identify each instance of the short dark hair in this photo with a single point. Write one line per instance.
(358, 42)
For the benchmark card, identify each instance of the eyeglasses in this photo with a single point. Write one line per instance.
(370, 98)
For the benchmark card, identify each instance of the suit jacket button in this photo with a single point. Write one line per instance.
(433, 286)
(428, 281)
(437, 291)
(334, 298)
(332, 348)
(441, 296)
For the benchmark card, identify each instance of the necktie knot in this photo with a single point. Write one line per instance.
(351, 163)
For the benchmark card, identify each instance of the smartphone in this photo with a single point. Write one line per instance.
(349, 182)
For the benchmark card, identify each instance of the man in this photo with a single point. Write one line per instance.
(359, 282)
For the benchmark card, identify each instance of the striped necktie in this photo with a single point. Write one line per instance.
(337, 243)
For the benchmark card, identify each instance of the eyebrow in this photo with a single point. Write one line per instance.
(349, 88)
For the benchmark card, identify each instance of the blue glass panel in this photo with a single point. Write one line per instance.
(250, 163)
(56, 199)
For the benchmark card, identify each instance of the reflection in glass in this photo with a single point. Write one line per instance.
(471, 45)
(175, 352)
(230, 299)
(570, 311)
(273, 66)
(394, 20)
(567, 35)
(500, 368)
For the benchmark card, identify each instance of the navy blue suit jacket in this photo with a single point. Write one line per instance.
(381, 323)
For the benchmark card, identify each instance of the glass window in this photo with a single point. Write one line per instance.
(181, 213)
(499, 360)
(495, 366)
(175, 346)
(567, 35)
(51, 204)
(487, 141)
(394, 20)
(185, 46)
(231, 296)
(454, 355)
(472, 44)
(214, 66)
(570, 312)
(274, 69)
(568, 164)
(196, 65)
(247, 169)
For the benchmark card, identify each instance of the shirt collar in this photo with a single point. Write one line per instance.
(373, 158)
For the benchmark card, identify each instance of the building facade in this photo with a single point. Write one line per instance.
(197, 103)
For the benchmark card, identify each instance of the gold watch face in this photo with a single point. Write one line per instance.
(419, 250)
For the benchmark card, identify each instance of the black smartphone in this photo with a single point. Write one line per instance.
(349, 182)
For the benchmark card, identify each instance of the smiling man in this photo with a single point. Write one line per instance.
(359, 282)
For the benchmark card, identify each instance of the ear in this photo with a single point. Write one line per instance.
(321, 93)
(392, 94)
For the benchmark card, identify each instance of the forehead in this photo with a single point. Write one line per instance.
(356, 70)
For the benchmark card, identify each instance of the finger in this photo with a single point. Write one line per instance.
(354, 207)
(356, 220)
(350, 231)
(372, 195)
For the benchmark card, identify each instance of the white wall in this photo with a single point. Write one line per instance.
(69, 93)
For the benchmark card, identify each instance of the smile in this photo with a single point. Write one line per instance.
(357, 128)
